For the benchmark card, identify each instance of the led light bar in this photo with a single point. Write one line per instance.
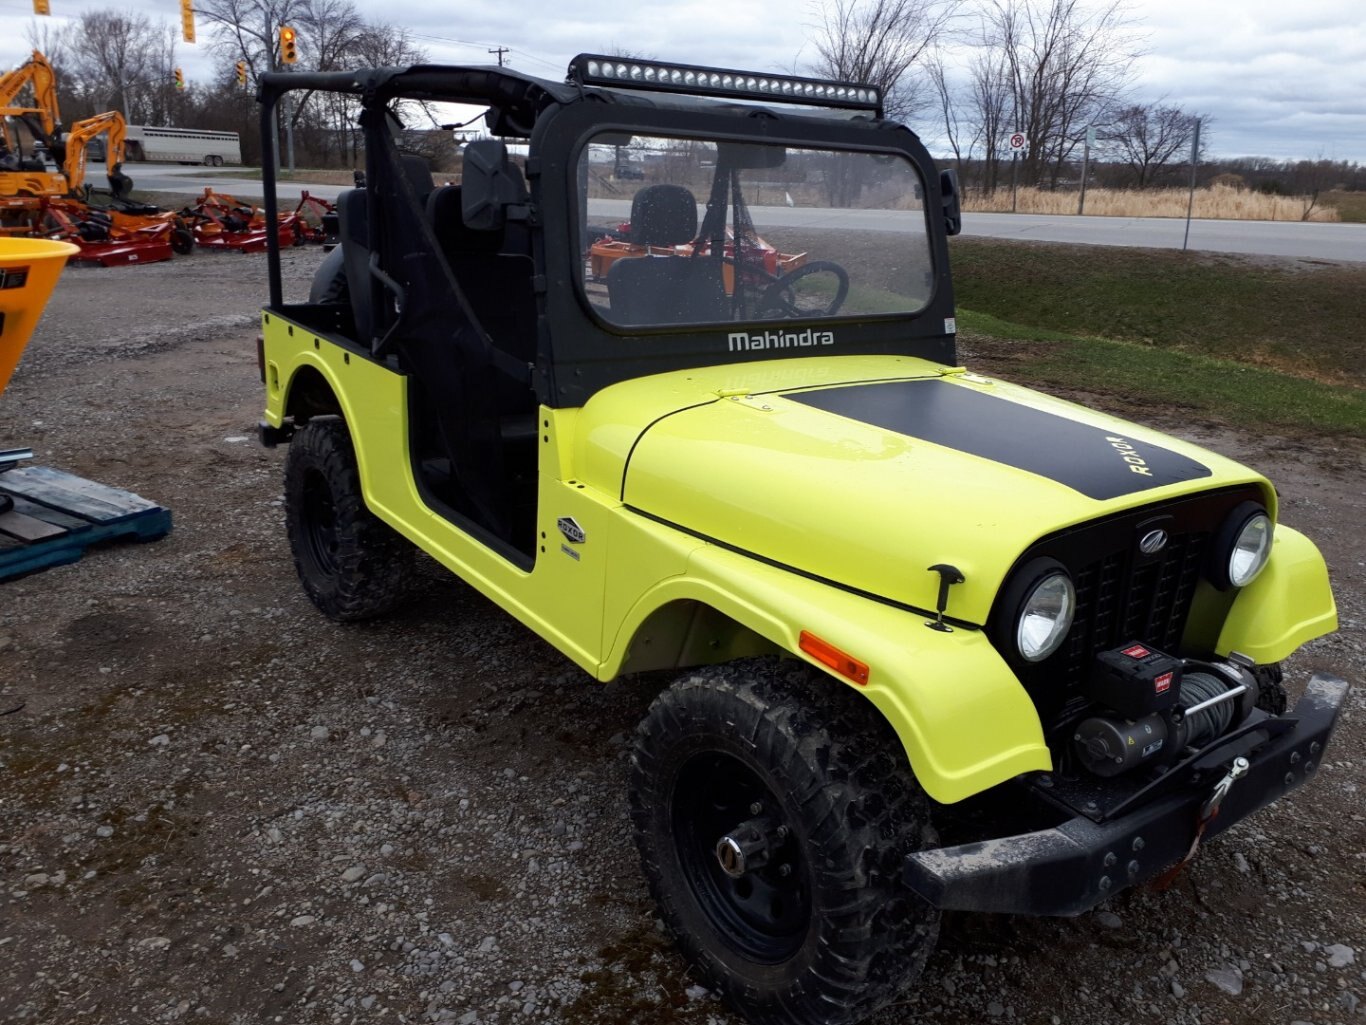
(628, 73)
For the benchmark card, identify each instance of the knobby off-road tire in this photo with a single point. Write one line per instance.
(352, 565)
(1271, 694)
(834, 935)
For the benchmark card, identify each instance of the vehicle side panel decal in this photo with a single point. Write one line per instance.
(1100, 464)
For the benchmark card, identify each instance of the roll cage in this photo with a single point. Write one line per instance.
(481, 287)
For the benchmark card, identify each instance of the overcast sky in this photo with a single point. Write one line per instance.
(1278, 79)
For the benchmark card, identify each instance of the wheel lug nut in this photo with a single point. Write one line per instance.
(781, 832)
(784, 870)
(755, 808)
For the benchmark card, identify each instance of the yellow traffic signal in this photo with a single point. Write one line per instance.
(41, 7)
(289, 52)
(241, 72)
(187, 20)
(179, 79)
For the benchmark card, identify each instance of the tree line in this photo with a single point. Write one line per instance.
(977, 72)
(969, 72)
(121, 60)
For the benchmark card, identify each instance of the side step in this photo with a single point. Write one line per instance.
(53, 517)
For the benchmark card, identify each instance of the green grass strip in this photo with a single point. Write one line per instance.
(1240, 394)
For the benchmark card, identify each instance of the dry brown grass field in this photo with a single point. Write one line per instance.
(1218, 202)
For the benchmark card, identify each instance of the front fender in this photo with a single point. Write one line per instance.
(1289, 603)
(964, 720)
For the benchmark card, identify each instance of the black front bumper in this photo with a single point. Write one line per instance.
(1073, 867)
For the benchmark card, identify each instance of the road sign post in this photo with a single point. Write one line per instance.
(1085, 169)
(1017, 144)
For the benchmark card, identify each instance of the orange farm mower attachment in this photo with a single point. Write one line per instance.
(108, 237)
(220, 221)
(757, 253)
(314, 221)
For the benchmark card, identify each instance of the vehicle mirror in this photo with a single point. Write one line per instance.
(613, 139)
(751, 155)
(489, 185)
(948, 194)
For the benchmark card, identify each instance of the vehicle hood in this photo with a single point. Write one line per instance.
(866, 471)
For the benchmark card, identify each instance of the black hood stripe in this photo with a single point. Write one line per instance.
(1100, 464)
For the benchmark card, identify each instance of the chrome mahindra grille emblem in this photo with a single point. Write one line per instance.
(1153, 542)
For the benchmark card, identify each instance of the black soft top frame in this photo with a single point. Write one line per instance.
(578, 353)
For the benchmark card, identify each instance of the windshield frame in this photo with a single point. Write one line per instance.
(583, 351)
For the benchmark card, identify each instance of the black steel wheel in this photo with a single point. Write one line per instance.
(352, 565)
(182, 241)
(773, 809)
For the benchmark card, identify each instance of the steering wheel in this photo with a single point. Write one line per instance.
(786, 297)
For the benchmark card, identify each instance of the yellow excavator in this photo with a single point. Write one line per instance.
(43, 119)
(55, 203)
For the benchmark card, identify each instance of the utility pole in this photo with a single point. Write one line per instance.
(500, 51)
(1195, 167)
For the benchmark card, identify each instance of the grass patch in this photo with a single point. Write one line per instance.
(1351, 206)
(1252, 342)
(1162, 379)
(1302, 318)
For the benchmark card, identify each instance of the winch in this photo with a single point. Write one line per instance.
(1163, 706)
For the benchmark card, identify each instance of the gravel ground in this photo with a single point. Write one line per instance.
(217, 806)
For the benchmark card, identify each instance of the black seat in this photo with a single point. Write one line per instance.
(665, 289)
(496, 282)
(353, 220)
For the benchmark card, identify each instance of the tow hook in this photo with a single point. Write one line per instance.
(1208, 811)
(1211, 806)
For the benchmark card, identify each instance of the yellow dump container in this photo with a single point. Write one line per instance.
(29, 268)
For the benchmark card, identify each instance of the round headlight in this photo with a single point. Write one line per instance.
(1045, 616)
(1250, 551)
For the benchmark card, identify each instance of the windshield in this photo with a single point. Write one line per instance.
(696, 231)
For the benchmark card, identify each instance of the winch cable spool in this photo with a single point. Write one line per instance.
(1108, 745)
(1208, 723)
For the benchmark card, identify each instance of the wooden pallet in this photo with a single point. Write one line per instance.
(56, 516)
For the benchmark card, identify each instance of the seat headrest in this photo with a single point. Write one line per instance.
(445, 214)
(418, 173)
(663, 215)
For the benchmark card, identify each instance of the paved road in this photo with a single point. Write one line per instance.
(1262, 238)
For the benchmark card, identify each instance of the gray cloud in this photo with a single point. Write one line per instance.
(1281, 80)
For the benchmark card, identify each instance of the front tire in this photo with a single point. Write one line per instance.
(773, 808)
(352, 565)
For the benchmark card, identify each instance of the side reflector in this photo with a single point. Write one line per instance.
(828, 655)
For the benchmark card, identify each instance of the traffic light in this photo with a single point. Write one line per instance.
(179, 79)
(41, 7)
(187, 20)
(241, 72)
(289, 51)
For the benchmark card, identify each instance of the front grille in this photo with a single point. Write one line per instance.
(1122, 595)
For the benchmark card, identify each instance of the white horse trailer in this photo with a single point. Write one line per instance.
(171, 145)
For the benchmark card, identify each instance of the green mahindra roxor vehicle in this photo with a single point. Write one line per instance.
(945, 643)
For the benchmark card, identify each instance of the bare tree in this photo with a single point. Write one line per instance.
(990, 110)
(1067, 64)
(1148, 137)
(880, 42)
(947, 108)
(115, 56)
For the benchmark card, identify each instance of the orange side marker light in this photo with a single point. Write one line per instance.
(840, 661)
